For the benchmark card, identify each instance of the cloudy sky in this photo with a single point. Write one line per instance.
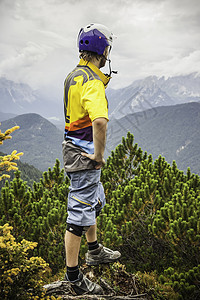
(154, 37)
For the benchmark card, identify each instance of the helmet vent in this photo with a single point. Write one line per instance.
(81, 42)
(86, 42)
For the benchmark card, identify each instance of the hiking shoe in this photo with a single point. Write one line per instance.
(84, 286)
(101, 255)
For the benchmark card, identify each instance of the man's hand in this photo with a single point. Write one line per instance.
(99, 162)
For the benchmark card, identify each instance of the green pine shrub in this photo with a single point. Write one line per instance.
(153, 215)
(38, 214)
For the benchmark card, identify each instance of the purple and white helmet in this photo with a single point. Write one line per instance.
(95, 38)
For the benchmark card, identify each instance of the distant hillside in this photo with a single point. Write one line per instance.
(6, 116)
(172, 131)
(28, 173)
(39, 139)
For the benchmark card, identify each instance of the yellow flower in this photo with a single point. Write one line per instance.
(9, 280)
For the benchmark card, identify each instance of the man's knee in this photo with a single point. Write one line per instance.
(77, 230)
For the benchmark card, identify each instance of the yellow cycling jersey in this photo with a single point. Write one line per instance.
(84, 101)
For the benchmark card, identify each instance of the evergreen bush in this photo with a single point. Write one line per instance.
(38, 214)
(20, 273)
(153, 214)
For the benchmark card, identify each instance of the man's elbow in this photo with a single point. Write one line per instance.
(100, 122)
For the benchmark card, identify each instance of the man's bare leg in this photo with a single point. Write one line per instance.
(72, 247)
(91, 234)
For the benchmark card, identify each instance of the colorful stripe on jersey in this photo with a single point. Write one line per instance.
(80, 129)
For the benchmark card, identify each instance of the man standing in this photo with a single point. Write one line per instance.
(86, 117)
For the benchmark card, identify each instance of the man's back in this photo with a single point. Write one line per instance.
(84, 101)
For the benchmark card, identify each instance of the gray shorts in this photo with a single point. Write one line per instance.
(86, 197)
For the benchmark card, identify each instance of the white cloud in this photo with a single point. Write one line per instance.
(182, 65)
(20, 65)
(38, 40)
(27, 57)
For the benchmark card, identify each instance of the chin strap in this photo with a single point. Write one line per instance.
(114, 72)
(110, 69)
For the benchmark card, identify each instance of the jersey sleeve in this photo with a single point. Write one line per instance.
(94, 100)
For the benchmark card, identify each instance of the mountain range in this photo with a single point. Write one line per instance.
(20, 98)
(152, 91)
(162, 113)
(170, 131)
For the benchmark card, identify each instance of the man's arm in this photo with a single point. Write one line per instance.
(99, 127)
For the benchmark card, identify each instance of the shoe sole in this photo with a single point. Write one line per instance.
(104, 262)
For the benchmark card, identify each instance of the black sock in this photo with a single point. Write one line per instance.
(72, 273)
(93, 245)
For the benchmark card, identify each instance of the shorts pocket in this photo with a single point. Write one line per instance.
(80, 212)
(79, 203)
